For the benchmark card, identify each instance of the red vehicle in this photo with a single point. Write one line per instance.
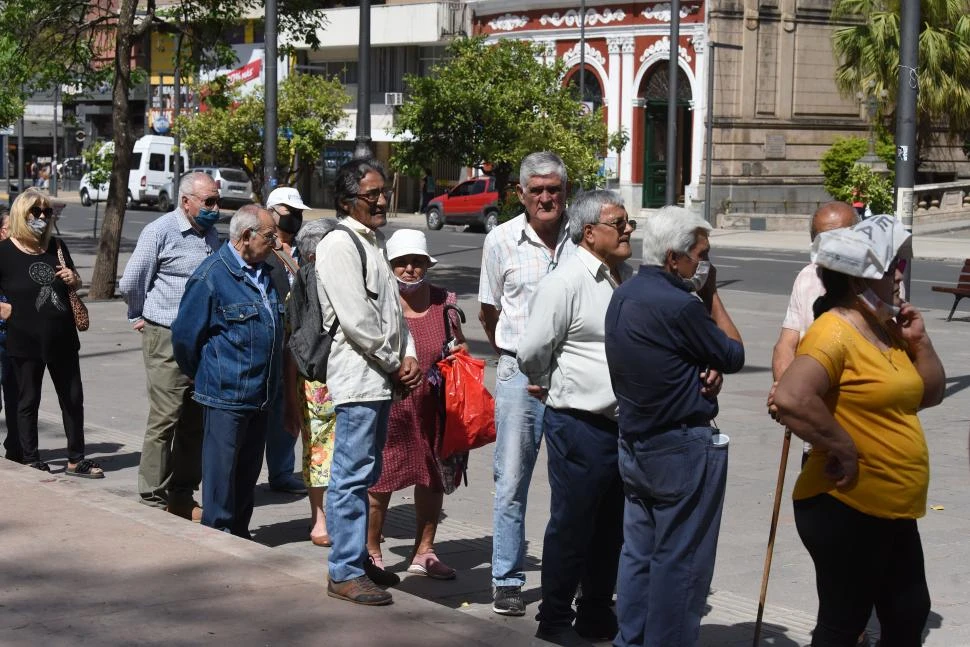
(473, 202)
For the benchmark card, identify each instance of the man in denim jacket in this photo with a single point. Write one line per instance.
(228, 337)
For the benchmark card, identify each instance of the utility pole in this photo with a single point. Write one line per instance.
(176, 110)
(363, 150)
(671, 193)
(906, 153)
(20, 156)
(270, 122)
(52, 186)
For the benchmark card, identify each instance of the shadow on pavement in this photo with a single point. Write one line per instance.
(742, 634)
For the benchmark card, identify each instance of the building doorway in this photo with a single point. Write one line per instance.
(654, 94)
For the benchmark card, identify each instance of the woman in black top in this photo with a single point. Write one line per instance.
(41, 332)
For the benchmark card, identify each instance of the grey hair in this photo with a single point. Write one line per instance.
(671, 229)
(190, 181)
(311, 234)
(346, 185)
(246, 218)
(587, 208)
(541, 163)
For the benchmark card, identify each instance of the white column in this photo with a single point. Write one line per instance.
(629, 95)
(613, 89)
(701, 106)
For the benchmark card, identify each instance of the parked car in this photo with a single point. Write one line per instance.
(90, 193)
(472, 202)
(235, 189)
(152, 168)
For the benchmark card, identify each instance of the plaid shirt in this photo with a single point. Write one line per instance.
(167, 253)
(514, 260)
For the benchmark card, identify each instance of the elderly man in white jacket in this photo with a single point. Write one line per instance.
(371, 359)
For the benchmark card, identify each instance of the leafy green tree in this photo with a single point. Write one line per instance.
(496, 103)
(839, 160)
(867, 48)
(230, 132)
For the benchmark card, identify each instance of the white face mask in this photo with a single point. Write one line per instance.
(882, 310)
(409, 288)
(700, 276)
(37, 226)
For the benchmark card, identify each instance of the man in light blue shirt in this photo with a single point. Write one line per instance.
(168, 251)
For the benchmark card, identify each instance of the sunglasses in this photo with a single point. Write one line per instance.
(36, 211)
(620, 224)
(372, 197)
(211, 201)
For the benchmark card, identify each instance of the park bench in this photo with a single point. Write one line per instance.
(962, 288)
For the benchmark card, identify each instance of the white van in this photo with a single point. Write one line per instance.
(152, 172)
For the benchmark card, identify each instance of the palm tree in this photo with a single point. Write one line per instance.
(867, 47)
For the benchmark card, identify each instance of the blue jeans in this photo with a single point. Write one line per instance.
(280, 459)
(11, 444)
(357, 445)
(518, 431)
(585, 529)
(232, 455)
(674, 484)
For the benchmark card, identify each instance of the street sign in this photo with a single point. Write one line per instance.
(6, 131)
(80, 136)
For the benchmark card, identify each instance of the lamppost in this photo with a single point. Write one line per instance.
(363, 150)
(270, 91)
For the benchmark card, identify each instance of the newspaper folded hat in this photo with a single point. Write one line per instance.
(865, 250)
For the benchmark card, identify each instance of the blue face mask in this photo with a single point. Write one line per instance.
(206, 218)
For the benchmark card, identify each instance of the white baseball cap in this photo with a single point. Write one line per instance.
(408, 241)
(866, 249)
(286, 195)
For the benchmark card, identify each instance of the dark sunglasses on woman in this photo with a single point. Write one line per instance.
(36, 211)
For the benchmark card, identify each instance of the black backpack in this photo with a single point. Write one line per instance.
(309, 343)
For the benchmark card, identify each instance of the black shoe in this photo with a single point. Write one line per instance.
(40, 465)
(561, 635)
(507, 601)
(599, 626)
(379, 576)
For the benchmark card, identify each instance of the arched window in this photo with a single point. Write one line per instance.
(593, 91)
(656, 87)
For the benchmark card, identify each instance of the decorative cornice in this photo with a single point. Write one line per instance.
(662, 46)
(508, 22)
(571, 56)
(661, 12)
(571, 17)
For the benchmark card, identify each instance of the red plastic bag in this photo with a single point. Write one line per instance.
(469, 407)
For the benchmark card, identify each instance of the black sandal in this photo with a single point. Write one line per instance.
(40, 465)
(85, 469)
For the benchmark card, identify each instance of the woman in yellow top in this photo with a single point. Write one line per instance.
(863, 370)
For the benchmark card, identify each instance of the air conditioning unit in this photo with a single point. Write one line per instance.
(393, 98)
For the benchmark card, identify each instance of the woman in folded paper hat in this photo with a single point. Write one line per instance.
(414, 429)
(863, 370)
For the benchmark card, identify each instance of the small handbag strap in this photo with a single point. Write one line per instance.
(60, 259)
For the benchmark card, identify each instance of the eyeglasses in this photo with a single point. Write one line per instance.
(211, 201)
(36, 211)
(373, 197)
(271, 237)
(620, 224)
(537, 191)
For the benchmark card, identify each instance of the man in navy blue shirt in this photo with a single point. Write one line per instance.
(668, 340)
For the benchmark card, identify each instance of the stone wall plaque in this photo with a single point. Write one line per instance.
(774, 147)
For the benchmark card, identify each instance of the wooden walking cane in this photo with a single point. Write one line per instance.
(771, 534)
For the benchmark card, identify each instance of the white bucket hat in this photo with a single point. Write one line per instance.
(286, 195)
(408, 241)
(865, 250)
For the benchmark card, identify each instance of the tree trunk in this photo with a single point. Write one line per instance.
(106, 265)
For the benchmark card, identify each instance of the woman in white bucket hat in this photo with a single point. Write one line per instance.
(414, 429)
(863, 370)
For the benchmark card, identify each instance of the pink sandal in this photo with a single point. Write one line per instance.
(429, 565)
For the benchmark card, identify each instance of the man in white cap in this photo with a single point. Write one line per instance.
(287, 208)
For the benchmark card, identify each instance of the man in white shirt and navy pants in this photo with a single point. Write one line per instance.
(563, 354)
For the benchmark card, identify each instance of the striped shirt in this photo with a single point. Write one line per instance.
(514, 260)
(169, 249)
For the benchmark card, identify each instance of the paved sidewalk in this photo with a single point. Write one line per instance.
(82, 561)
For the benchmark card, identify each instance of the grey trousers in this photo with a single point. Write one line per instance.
(171, 456)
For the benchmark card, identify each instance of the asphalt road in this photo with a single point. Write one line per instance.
(459, 255)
